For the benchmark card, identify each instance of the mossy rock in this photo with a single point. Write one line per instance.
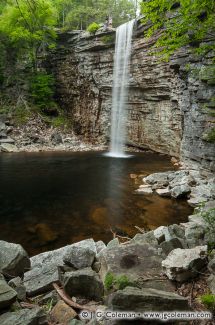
(207, 74)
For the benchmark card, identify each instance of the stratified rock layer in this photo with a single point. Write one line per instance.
(166, 99)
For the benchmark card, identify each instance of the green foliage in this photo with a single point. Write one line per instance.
(42, 91)
(92, 28)
(210, 135)
(78, 14)
(209, 301)
(108, 39)
(109, 280)
(122, 282)
(117, 282)
(187, 24)
(28, 25)
(207, 74)
(21, 115)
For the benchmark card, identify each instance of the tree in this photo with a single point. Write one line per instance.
(84, 12)
(183, 22)
(28, 24)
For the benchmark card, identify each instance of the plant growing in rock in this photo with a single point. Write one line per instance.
(209, 301)
(210, 135)
(117, 282)
(182, 23)
(92, 28)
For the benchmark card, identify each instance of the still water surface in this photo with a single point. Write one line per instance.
(48, 200)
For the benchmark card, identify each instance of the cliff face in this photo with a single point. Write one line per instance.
(166, 100)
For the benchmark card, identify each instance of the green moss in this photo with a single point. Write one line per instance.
(209, 301)
(210, 136)
(207, 74)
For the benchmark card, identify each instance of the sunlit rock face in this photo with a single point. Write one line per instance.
(166, 99)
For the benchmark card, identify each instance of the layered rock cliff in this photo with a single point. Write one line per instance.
(167, 100)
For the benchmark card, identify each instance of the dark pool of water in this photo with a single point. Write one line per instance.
(48, 200)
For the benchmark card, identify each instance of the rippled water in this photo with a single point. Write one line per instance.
(48, 200)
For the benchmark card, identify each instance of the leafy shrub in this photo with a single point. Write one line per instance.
(21, 115)
(122, 282)
(92, 28)
(209, 301)
(117, 282)
(42, 92)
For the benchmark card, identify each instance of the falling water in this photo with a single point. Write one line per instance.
(120, 88)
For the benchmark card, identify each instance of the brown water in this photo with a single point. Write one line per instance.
(48, 200)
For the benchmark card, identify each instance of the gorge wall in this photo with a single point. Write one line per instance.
(167, 100)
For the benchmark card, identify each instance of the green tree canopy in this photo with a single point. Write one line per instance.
(183, 22)
(28, 24)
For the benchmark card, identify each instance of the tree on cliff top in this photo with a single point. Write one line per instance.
(28, 25)
(78, 14)
(183, 22)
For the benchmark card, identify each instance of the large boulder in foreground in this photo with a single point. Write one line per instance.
(44, 270)
(79, 257)
(35, 316)
(84, 283)
(140, 300)
(7, 294)
(14, 260)
(184, 264)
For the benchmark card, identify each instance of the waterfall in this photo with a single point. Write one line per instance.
(120, 88)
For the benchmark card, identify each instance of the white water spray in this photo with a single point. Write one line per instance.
(120, 88)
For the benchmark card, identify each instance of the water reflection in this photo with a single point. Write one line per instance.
(51, 199)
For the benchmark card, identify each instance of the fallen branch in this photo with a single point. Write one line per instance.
(27, 305)
(69, 301)
(140, 229)
(118, 236)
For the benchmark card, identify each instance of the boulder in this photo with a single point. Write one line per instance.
(7, 147)
(62, 313)
(84, 283)
(147, 238)
(18, 286)
(100, 245)
(113, 243)
(143, 300)
(180, 191)
(168, 246)
(134, 260)
(25, 317)
(194, 234)
(79, 257)
(162, 233)
(45, 268)
(184, 264)
(7, 294)
(144, 189)
(165, 192)
(161, 179)
(14, 260)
